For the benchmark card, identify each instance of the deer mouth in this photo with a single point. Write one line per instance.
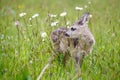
(67, 35)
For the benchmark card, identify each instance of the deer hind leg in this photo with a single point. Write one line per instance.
(77, 67)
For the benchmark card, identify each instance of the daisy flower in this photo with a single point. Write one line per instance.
(52, 15)
(22, 14)
(78, 8)
(90, 15)
(43, 34)
(54, 23)
(86, 6)
(89, 2)
(35, 15)
(63, 14)
(30, 19)
(17, 23)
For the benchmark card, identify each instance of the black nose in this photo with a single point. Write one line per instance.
(67, 35)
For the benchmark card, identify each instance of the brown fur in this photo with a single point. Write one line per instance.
(76, 41)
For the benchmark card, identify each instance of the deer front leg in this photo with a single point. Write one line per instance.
(78, 60)
(77, 66)
(66, 57)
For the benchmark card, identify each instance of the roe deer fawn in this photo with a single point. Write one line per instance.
(76, 41)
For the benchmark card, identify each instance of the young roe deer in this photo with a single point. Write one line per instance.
(76, 41)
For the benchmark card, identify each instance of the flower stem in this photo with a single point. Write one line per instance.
(78, 15)
(18, 38)
(26, 26)
(37, 27)
(65, 22)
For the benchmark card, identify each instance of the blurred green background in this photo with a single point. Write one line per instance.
(24, 52)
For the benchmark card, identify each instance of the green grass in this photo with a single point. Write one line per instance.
(23, 53)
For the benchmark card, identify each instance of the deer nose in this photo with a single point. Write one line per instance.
(67, 35)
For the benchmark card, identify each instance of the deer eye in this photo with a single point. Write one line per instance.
(73, 29)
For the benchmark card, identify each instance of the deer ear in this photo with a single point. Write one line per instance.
(84, 19)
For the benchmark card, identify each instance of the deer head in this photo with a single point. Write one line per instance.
(74, 30)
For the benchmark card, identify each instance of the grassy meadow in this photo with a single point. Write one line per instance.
(25, 27)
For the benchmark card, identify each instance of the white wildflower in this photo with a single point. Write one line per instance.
(31, 61)
(2, 36)
(86, 6)
(68, 26)
(43, 40)
(52, 15)
(22, 14)
(30, 19)
(30, 25)
(35, 15)
(43, 34)
(113, 34)
(78, 8)
(17, 23)
(5, 69)
(63, 14)
(90, 15)
(54, 23)
(68, 22)
(89, 2)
